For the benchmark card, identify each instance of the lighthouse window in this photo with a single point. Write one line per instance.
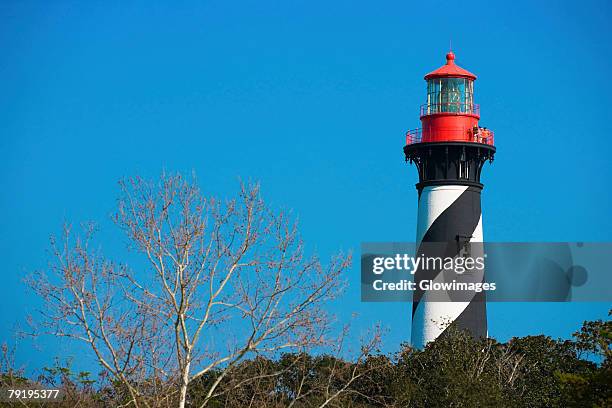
(464, 170)
(449, 95)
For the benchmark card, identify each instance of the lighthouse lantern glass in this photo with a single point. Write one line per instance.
(450, 95)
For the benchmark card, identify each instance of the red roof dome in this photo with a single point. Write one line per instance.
(450, 70)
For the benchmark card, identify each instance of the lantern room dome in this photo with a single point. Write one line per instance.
(450, 70)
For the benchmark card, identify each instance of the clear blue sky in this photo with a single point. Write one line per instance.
(312, 99)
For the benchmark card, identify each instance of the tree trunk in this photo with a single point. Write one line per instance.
(184, 382)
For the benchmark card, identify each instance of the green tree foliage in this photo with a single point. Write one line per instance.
(454, 371)
(592, 387)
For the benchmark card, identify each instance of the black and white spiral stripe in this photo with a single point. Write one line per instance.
(445, 214)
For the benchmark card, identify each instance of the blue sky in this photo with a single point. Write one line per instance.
(311, 99)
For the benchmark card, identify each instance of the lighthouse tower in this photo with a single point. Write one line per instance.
(449, 151)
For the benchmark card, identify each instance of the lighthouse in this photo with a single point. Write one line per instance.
(449, 151)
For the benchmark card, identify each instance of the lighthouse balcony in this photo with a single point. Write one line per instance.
(456, 108)
(473, 135)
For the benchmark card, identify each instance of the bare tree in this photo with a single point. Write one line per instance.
(219, 281)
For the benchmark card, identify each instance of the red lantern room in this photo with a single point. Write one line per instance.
(450, 113)
(450, 147)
